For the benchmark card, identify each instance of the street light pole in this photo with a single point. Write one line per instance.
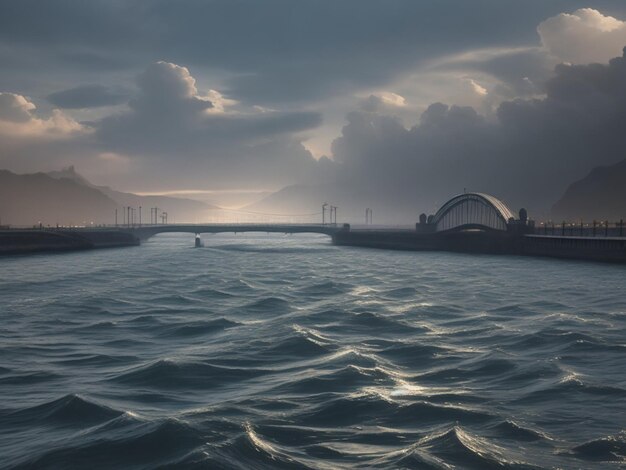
(324, 213)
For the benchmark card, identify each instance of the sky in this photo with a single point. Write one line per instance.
(407, 101)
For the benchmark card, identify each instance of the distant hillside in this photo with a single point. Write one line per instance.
(600, 195)
(291, 200)
(67, 198)
(29, 199)
(178, 209)
(351, 203)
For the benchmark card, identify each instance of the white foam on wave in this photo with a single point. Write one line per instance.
(404, 389)
(408, 306)
(312, 335)
(257, 441)
(359, 291)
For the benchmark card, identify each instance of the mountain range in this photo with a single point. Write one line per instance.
(601, 195)
(67, 198)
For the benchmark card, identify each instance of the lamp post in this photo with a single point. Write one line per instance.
(324, 213)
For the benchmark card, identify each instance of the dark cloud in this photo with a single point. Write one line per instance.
(171, 135)
(528, 155)
(276, 51)
(297, 60)
(87, 96)
(172, 125)
(169, 113)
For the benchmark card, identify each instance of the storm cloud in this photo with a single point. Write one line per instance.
(528, 154)
(87, 96)
(222, 94)
(171, 124)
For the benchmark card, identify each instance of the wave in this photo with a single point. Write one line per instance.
(250, 248)
(29, 378)
(607, 449)
(145, 320)
(476, 370)
(98, 327)
(511, 430)
(248, 450)
(458, 446)
(368, 319)
(168, 374)
(96, 360)
(345, 379)
(346, 411)
(268, 305)
(306, 344)
(569, 385)
(210, 293)
(147, 444)
(174, 300)
(426, 412)
(323, 289)
(197, 328)
(412, 354)
(563, 341)
(399, 293)
(70, 410)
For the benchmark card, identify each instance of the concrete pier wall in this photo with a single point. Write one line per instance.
(30, 241)
(490, 242)
(598, 249)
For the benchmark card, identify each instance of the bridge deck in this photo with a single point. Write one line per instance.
(146, 231)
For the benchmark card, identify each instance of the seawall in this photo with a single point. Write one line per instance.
(470, 242)
(38, 240)
(612, 249)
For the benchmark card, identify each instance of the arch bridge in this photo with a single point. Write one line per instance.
(474, 211)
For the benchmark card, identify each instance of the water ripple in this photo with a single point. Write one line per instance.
(264, 351)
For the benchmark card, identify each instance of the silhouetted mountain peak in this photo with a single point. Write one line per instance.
(70, 173)
(600, 195)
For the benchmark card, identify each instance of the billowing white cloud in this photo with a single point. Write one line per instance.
(18, 119)
(583, 37)
(170, 90)
(382, 101)
(168, 125)
(476, 87)
(15, 108)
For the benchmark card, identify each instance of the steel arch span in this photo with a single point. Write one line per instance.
(473, 211)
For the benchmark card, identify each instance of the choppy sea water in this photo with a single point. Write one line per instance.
(266, 351)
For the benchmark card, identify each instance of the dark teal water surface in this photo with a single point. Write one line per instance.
(264, 351)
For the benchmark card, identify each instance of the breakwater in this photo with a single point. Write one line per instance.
(37, 240)
(611, 249)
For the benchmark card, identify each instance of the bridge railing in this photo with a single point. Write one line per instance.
(137, 225)
(582, 229)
